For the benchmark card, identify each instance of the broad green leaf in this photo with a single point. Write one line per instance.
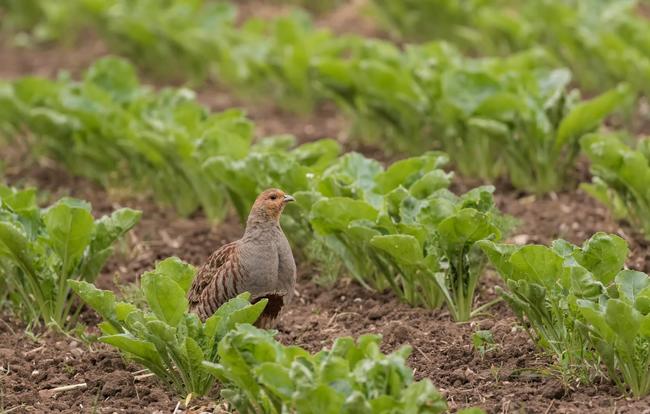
(603, 255)
(130, 345)
(587, 115)
(276, 378)
(336, 213)
(642, 302)
(70, 226)
(466, 227)
(406, 172)
(162, 332)
(14, 245)
(623, 319)
(644, 328)
(430, 183)
(596, 318)
(18, 201)
(404, 248)
(356, 403)
(123, 309)
(102, 301)
(178, 271)
(537, 264)
(110, 228)
(247, 314)
(422, 396)
(321, 399)
(630, 283)
(165, 297)
(114, 75)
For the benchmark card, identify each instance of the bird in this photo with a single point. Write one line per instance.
(261, 263)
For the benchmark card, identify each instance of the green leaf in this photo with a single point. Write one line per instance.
(499, 255)
(642, 302)
(587, 115)
(127, 343)
(164, 296)
(110, 228)
(537, 264)
(14, 245)
(178, 271)
(630, 283)
(336, 213)
(466, 227)
(70, 226)
(430, 183)
(603, 255)
(421, 397)
(406, 172)
(102, 301)
(623, 319)
(321, 399)
(404, 248)
(276, 378)
(194, 354)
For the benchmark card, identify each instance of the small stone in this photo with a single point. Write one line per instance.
(520, 239)
(77, 352)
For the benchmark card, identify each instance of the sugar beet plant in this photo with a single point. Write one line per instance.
(581, 305)
(621, 175)
(493, 116)
(164, 337)
(618, 327)
(401, 228)
(41, 249)
(398, 228)
(260, 375)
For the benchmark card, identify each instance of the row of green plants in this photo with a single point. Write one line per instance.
(580, 304)
(46, 254)
(514, 116)
(603, 42)
(112, 129)
(257, 374)
(397, 228)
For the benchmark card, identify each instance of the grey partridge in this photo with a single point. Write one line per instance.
(261, 262)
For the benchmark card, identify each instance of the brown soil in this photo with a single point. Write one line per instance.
(514, 377)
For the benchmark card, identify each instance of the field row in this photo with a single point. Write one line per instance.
(516, 116)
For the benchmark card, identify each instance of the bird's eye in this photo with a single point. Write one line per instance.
(273, 197)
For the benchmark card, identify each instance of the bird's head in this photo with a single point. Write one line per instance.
(269, 205)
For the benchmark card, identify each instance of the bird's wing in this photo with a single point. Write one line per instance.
(217, 281)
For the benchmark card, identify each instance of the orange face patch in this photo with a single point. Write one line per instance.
(271, 201)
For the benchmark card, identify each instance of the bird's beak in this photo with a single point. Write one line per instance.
(287, 198)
